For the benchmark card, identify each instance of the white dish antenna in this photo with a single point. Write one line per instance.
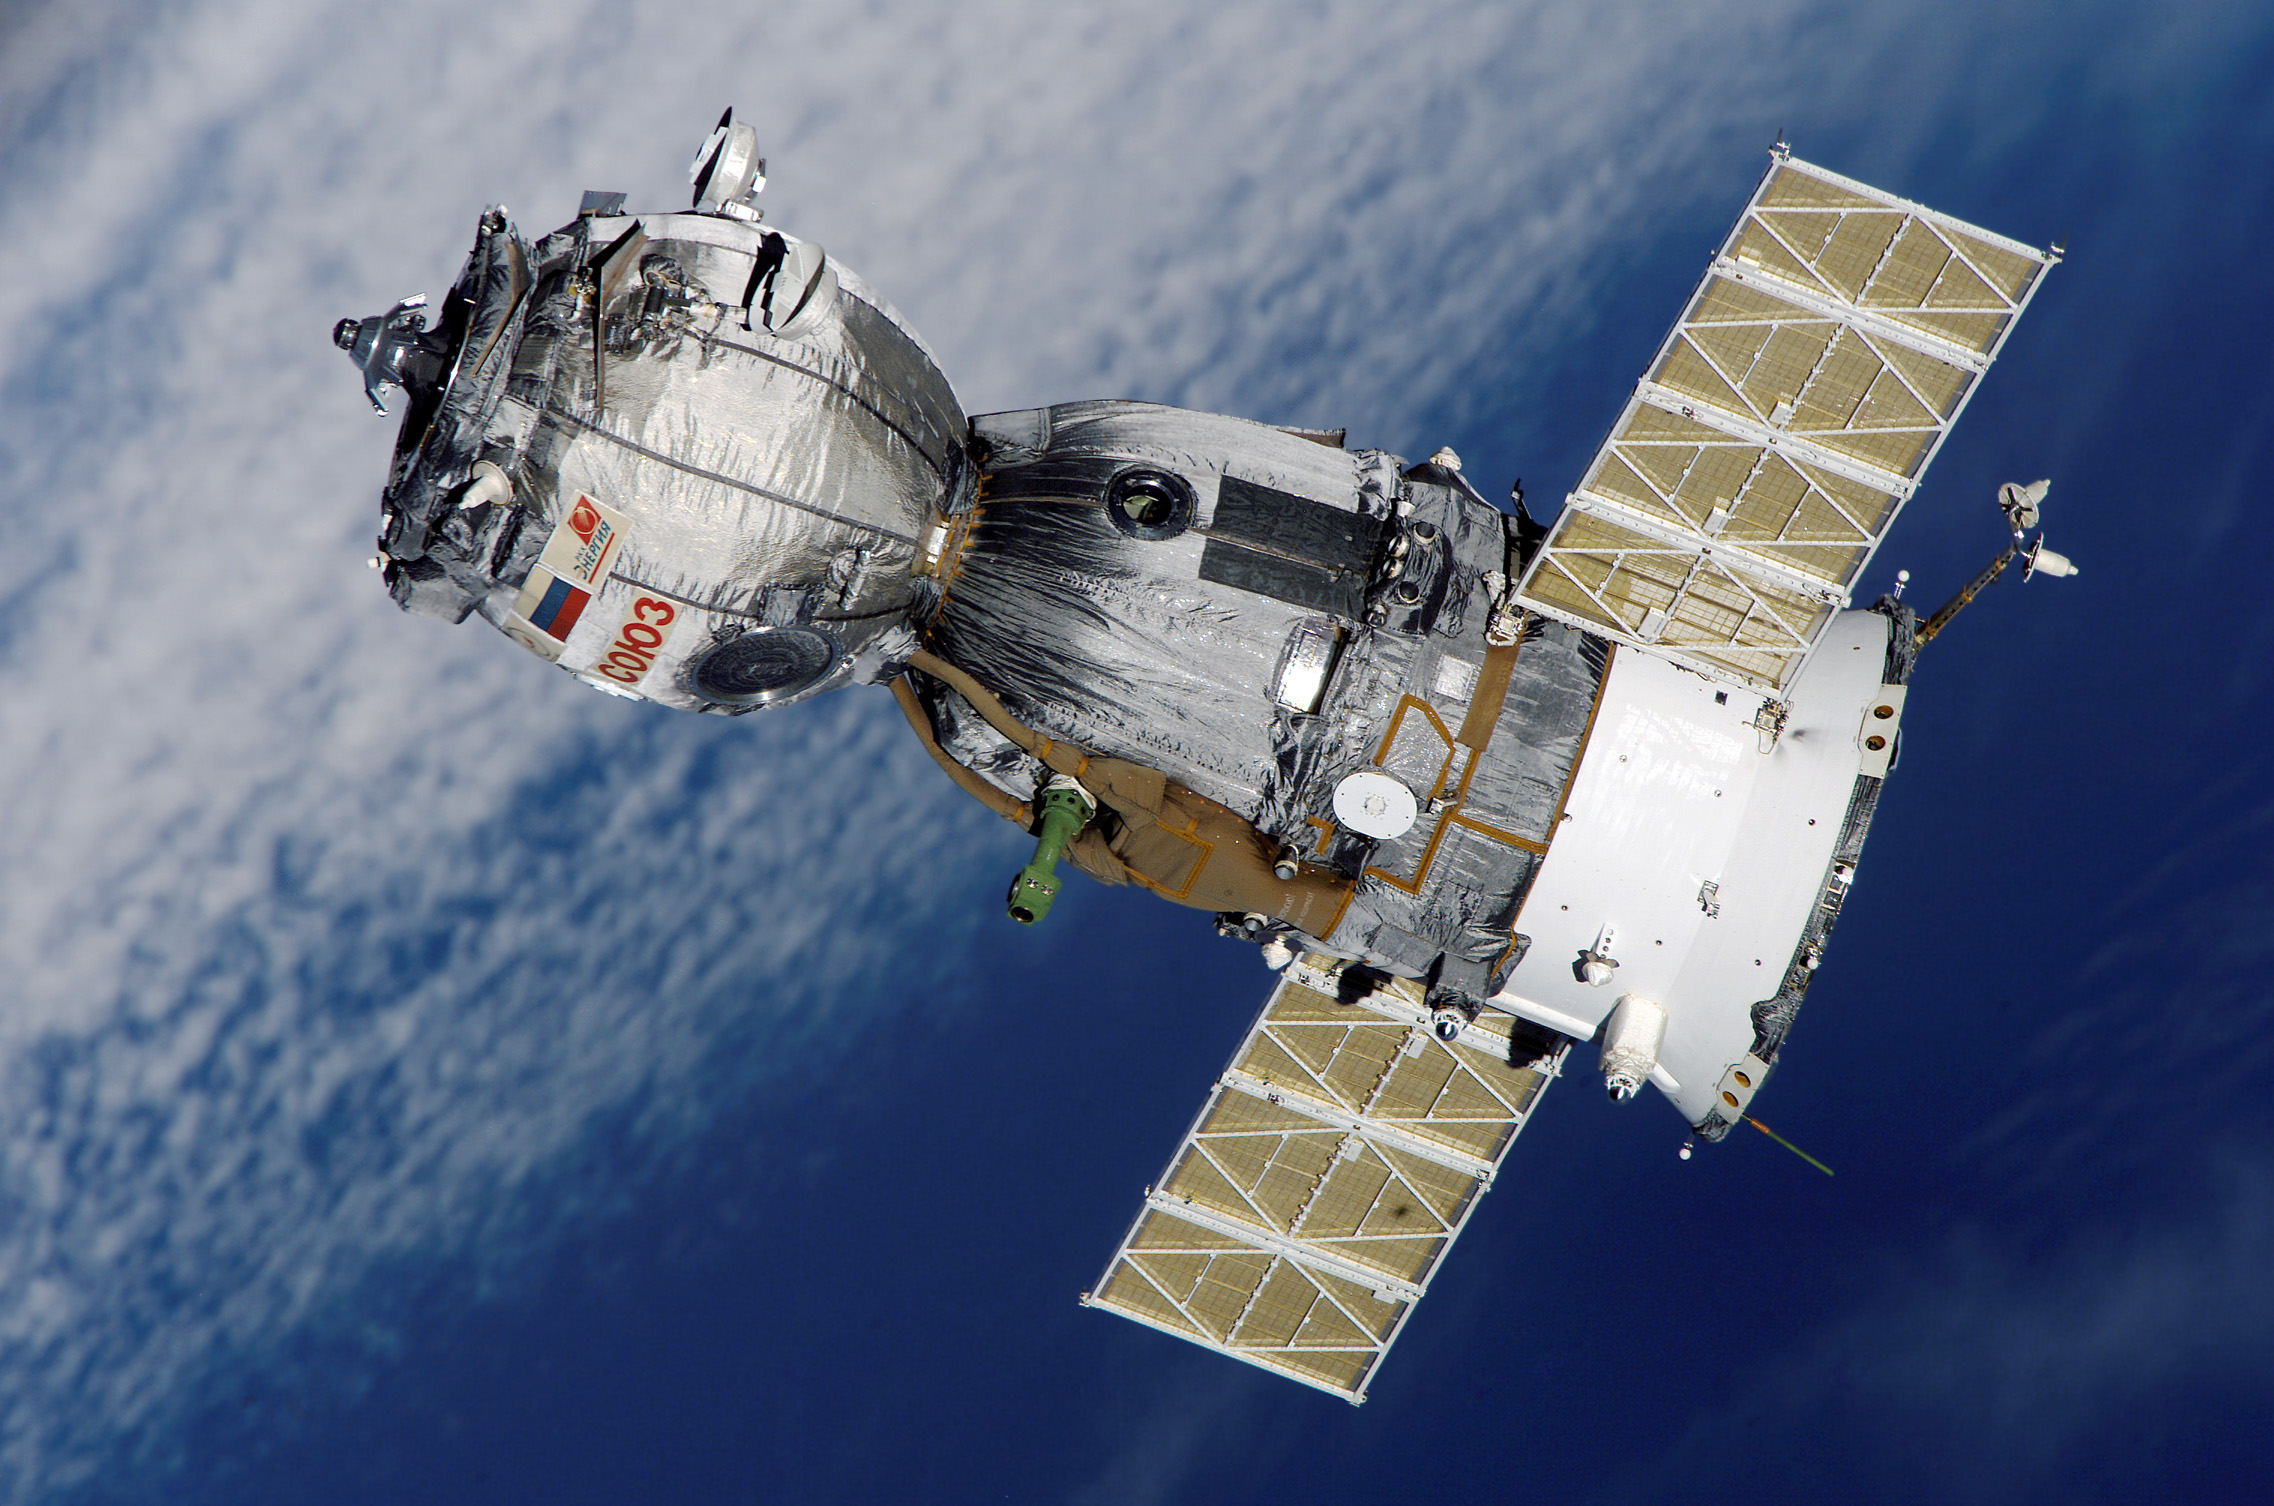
(1373, 804)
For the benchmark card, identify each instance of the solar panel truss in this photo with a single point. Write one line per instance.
(1333, 1165)
(1782, 425)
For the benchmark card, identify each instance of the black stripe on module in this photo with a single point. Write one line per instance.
(1296, 526)
(1290, 548)
(1297, 581)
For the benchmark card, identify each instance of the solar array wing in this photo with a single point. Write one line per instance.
(1333, 1165)
(1782, 425)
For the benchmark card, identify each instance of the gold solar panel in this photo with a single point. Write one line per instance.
(1784, 422)
(1334, 1163)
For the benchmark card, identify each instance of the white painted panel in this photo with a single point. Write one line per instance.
(1674, 792)
(1777, 865)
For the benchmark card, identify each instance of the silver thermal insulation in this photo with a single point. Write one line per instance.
(1161, 651)
(1255, 613)
(439, 554)
(776, 478)
(965, 736)
(1440, 901)
(1314, 614)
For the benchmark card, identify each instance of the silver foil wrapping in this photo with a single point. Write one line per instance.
(779, 478)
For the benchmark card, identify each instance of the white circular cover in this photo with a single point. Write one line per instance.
(1373, 804)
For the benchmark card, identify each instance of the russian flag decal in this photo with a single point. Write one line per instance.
(578, 558)
(556, 610)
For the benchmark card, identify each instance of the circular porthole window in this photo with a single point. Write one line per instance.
(1150, 505)
(764, 665)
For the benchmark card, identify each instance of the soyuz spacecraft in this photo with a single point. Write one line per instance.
(1481, 788)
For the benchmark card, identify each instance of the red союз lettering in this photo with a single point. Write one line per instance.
(630, 656)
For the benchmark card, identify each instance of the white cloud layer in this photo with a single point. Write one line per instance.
(326, 930)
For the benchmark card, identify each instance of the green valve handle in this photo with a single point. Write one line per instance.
(1066, 809)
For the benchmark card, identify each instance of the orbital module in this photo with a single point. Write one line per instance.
(1481, 788)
